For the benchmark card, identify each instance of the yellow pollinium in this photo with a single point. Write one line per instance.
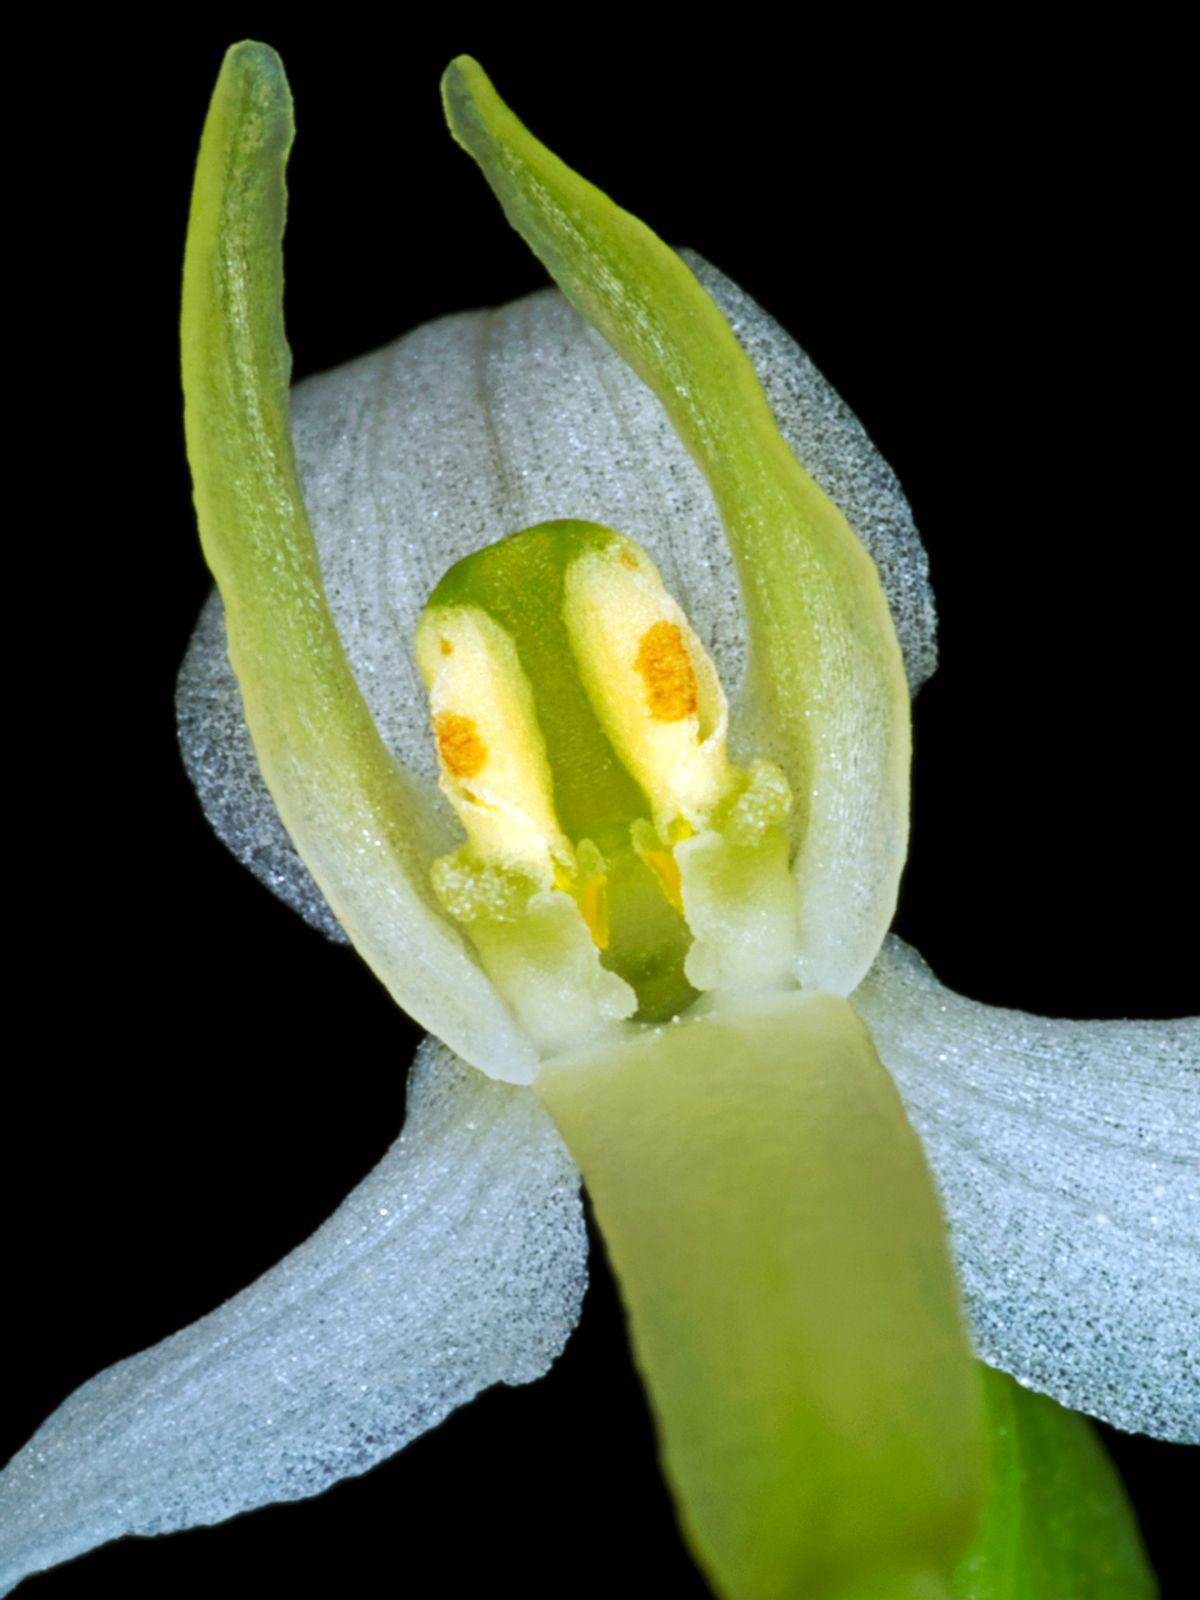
(461, 749)
(663, 865)
(652, 684)
(666, 671)
(491, 754)
(592, 898)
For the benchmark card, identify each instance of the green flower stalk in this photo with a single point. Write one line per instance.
(646, 923)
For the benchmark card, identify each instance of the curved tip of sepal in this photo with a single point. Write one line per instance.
(254, 67)
(247, 135)
(253, 58)
(462, 75)
(467, 93)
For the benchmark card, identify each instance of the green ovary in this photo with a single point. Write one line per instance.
(616, 863)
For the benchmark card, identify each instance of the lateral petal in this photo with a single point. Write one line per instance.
(459, 1262)
(1068, 1159)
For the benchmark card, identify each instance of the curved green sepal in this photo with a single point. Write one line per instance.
(352, 813)
(791, 1301)
(1056, 1524)
(826, 679)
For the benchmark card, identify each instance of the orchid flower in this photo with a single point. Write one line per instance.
(765, 1201)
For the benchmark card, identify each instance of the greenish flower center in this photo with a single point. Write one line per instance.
(581, 733)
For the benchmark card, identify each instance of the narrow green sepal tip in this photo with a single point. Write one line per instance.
(255, 71)
(461, 79)
(253, 58)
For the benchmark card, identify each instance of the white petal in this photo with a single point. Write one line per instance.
(458, 1263)
(1068, 1157)
(473, 427)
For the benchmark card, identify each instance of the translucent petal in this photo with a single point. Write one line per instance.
(459, 1262)
(1068, 1157)
(484, 423)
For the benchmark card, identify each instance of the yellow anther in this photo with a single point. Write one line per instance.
(459, 744)
(493, 760)
(592, 899)
(666, 670)
(662, 865)
(650, 681)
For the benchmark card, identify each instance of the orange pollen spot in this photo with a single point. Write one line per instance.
(666, 670)
(459, 744)
(447, 647)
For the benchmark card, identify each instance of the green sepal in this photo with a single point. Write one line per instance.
(827, 692)
(792, 1307)
(1056, 1524)
(357, 820)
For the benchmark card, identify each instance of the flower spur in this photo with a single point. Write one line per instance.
(909, 991)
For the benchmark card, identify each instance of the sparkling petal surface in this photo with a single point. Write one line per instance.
(459, 1262)
(1068, 1158)
(480, 424)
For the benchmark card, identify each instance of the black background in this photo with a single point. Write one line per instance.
(979, 239)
